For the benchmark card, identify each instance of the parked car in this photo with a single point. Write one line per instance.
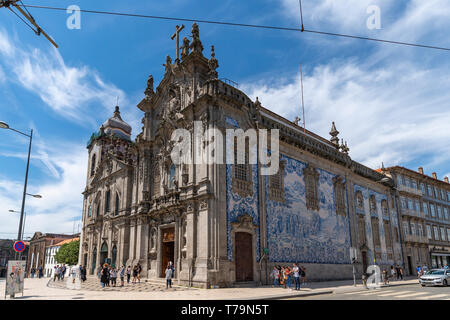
(435, 277)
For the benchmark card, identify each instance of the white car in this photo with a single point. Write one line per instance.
(435, 277)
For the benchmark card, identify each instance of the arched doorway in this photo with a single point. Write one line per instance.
(103, 253)
(94, 261)
(244, 256)
(114, 256)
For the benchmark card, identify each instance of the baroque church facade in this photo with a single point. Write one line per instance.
(221, 224)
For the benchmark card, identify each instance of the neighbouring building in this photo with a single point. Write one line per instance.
(227, 223)
(7, 253)
(38, 245)
(424, 203)
(50, 252)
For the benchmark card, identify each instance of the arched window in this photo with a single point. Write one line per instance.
(384, 208)
(93, 165)
(90, 210)
(172, 171)
(114, 256)
(107, 201)
(117, 207)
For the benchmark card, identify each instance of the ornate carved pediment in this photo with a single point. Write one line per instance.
(244, 221)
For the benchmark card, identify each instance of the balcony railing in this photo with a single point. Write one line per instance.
(415, 238)
(413, 213)
(403, 188)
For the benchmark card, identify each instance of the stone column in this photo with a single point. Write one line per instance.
(141, 244)
(203, 245)
(191, 239)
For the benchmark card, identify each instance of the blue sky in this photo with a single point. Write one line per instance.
(391, 103)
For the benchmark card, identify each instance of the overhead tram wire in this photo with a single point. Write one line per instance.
(22, 20)
(240, 25)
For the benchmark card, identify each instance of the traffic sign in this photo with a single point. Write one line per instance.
(19, 246)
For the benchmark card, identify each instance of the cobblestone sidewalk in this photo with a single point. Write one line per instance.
(93, 284)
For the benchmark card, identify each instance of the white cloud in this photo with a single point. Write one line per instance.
(62, 199)
(67, 90)
(386, 114)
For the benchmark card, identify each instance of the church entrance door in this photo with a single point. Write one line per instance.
(103, 253)
(167, 249)
(244, 256)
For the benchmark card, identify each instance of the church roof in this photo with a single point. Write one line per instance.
(116, 126)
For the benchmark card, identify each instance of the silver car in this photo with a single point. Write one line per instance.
(435, 277)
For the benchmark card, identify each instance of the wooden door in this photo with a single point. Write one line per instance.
(244, 256)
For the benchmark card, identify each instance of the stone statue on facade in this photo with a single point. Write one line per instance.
(196, 45)
(213, 65)
(149, 90)
(185, 48)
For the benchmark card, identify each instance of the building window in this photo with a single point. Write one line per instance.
(384, 208)
(442, 195)
(442, 234)
(413, 184)
(448, 234)
(93, 165)
(406, 182)
(436, 193)
(107, 201)
(413, 228)
(439, 212)
(359, 200)
(403, 203)
(276, 184)
(373, 204)
(387, 234)
(117, 206)
(422, 188)
(425, 208)
(420, 230)
(436, 233)
(90, 210)
(410, 204)
(429, 236)
(446, 213)
(430, 191)
(242, 177)
(405, 227)
(312, 188)
(376, 232)
(362, 230)
(433, 213)
(339, 195)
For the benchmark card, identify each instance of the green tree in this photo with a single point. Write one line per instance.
(68, 253)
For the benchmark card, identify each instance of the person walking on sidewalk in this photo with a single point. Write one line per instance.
(392, 273)
(33, 271)
(128, 274)
(104, 275)
(275, 274)
(401, 273)
(113, 277)
(56, 275)
(303, 275)
(296, 273)
(168, 276)
(63, 271)
(122, 275)
(139, 270)
(288, 277)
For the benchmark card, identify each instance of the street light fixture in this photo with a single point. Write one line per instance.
(24, 219)
(4, 125)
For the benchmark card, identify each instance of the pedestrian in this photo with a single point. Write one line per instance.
(135, 274)
(386, 277)
(287, 277)
(33, 271)
(63, 271)
(303, 274)
(296, 273)
(74, 272)
(41, 273)
(56, 273)
(282, 277)
(122, 275)
(128, 274)
(419, 271)
(401, 273)
(169, 275)
(109, 276)
(139, 270)
(83, 273)
(113, 277)
(275, 275)
(392, 272)
(104, 275)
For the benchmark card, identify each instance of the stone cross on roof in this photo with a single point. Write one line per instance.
(177, 35)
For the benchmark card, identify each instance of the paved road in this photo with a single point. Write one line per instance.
(410, 292)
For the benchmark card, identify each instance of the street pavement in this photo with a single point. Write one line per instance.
(409, 292)
(45, 289)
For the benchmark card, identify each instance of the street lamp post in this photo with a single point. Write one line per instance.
(4, 125)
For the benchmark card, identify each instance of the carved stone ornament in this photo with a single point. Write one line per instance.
(204, 204)
(244, 221)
